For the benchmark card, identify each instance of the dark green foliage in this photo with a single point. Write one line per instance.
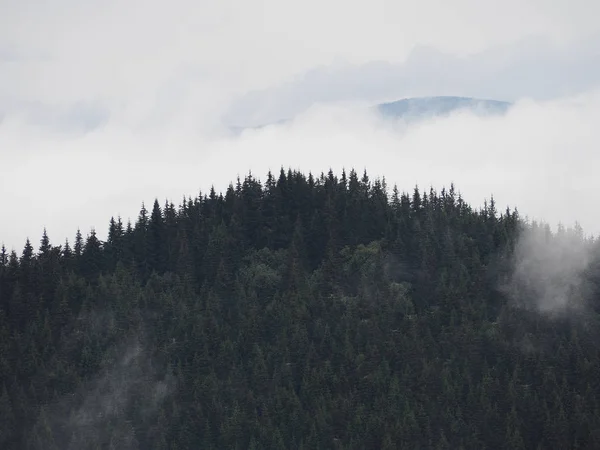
(302, 313)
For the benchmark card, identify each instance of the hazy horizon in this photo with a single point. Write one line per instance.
(93, 123)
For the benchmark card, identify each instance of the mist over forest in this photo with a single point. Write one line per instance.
(299, 225)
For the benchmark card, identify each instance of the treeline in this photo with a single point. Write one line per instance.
(302, 312)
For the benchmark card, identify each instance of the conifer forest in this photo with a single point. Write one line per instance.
(297, 312)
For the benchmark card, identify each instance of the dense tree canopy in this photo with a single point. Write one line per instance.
(302, 312)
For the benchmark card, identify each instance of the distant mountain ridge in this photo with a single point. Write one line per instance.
(423, 107)
(420, 108)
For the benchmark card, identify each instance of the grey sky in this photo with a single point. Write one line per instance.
(106, 104)
(533, 67)
(113, 48)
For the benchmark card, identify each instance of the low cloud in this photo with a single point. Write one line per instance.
(540, 157)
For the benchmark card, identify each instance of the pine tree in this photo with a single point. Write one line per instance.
(78, 244)
(157, 237)
(114, 246)
(92, 258)
(4, 285)
(140, 242)
(45, 246)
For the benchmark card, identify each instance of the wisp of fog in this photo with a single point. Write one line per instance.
(548, 271)
(95, 415)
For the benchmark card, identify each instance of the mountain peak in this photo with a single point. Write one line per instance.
(423, 107)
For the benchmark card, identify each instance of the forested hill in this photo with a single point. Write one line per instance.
(302, 312)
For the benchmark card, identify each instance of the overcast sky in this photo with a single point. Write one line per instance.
(536, 67)
(106, 104)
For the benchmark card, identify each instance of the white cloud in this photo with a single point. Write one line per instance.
(540, 157)
(111, 48)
